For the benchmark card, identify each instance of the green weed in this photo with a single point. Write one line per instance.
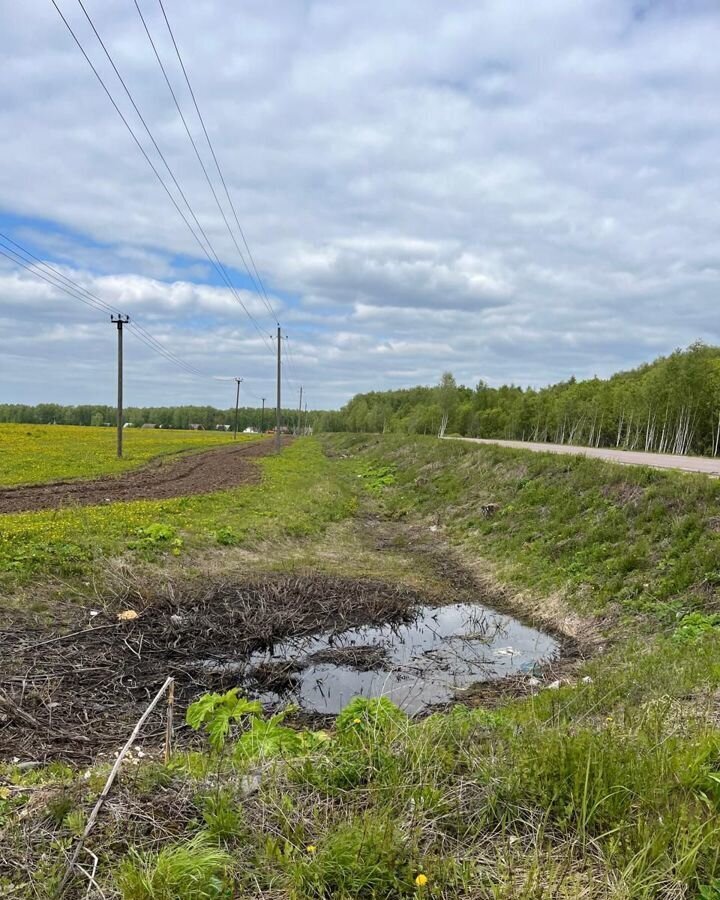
(222, 814)
(361, 858)
(694, 625)
(215, 713)
(197, 870)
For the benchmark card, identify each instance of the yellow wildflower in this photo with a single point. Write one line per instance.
(421, 880)
(356, 721)
(311, 848)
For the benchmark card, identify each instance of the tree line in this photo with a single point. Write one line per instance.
(166, 416)
(669, 406)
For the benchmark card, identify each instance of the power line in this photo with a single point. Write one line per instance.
(290, 360)
(219, 266)
(155, 345)
(6, 251)
(214, 156)
(23, 257)
(215, 262)
(258, 286)
(288, 377)
(58, 279)
(36, 261)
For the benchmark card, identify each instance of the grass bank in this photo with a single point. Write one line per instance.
(610, 537)
(604, 786)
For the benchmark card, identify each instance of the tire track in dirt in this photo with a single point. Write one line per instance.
(201, 473)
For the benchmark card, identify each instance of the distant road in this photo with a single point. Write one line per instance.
(702, 464)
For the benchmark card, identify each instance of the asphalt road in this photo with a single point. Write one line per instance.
(702, 464)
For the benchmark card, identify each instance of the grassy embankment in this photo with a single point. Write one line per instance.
(35, 454)
(606, 787)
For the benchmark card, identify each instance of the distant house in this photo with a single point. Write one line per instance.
(222, 428)
(148, 425)
(194, 426)
(129, 425)
(250, 430)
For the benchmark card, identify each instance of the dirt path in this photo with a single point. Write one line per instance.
(703, 465)
(199, 473)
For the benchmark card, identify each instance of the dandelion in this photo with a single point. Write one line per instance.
(421, 880)
(311, 849)
(356, 721)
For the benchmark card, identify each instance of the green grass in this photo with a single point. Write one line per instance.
(301, 493)
(608, 787)
(33, 454)
(604, 534)
(192, 871)
(605, 789)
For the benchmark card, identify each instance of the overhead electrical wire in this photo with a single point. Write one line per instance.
(55, 273)
(218, 265)
(215, 158)
(17, 260)
(24, 258)
(209, 253)
(290, 360)
(257, 284)
(57, 279)
(288, 376)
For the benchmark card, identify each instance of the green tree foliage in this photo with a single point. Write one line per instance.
(671, 406)
(166, 416)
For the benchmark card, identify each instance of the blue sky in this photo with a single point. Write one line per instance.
(512, 192)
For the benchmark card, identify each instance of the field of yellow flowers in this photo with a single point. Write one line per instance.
(31, 454)
(300, 493)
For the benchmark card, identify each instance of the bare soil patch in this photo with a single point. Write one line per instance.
(198, 473)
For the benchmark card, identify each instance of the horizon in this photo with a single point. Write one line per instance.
(317, 409)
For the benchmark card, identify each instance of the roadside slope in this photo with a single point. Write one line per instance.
(605, 535)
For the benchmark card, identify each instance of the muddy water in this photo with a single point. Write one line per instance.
(442, 650)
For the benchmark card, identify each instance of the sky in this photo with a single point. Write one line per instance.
(512, 192)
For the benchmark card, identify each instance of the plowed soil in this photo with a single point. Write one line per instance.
(199, 473)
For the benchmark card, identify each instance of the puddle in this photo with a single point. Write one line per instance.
(442, 650)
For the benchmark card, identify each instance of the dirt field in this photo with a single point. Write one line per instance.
(199, 473)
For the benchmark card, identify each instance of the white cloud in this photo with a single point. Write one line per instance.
(426, 185)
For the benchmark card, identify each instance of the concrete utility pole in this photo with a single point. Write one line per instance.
(262, 418)
(238, 381)
(120, 320)
(299, 418)
(305, 419)
(279, 376)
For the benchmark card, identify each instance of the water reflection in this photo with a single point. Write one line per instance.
(445, 648)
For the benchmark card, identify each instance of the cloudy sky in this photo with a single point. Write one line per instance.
(512, 191)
